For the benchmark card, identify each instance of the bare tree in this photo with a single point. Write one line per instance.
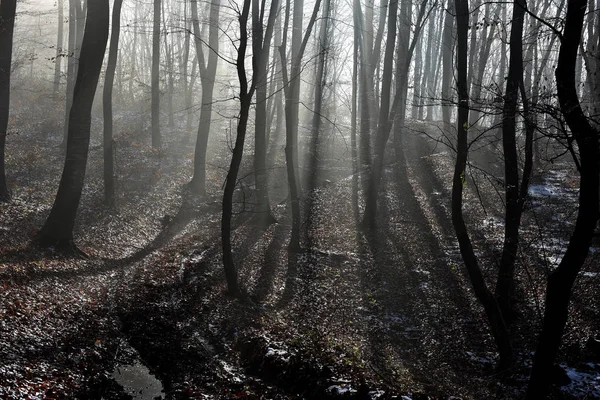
(58, 228)
(246, 93)
(208, 71)
(59, 48)
(7, 26)
(109, 175)
(261, 42)
(156, 139)
(561, 280)
(482, 292)
(291, 83)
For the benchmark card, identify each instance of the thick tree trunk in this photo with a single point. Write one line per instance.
(109, 173)
(58, 228)
(155, 82)
(7, 25)
(561, 280)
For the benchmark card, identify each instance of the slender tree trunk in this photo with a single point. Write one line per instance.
(7, 25)
(261, 43)
(447, 75)
(384, 125)
(58, 228)
(424, 89)
(561, 280)
(155, 82)
(484, 52)
(109, 173)
(207, 78)
(291, 84)
(246, 93)
(322, 48)
(416, 103)
(132, 71)
(71, 64)
(514, 202)
(482, 292)
(59, 48)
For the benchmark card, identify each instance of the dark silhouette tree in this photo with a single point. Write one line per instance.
(482, 292)
(58, 228)
(109, 174)
(245, 96)
(7, 25)
(515, 191)
(561, 280)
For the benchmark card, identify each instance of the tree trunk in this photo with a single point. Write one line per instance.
(484, 295)
(71, 65)
(7, 25)
(561, 280)
(322, 47)
(155, 82)
(208, 72)
(447, 67)
(261, 43)
(514, 202)
(291, 84)
(59, 48)
(246, 93)
(384, 126)
(58, 228)
(109, 173)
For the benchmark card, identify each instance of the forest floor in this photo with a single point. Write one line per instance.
(380, 315)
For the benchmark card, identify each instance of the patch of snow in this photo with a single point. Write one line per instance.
(375, 394)
(340, 389)
(590, 274)
(480, 359)
(584, 384)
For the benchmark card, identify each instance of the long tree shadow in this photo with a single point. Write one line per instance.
(171, 226)
(423, 302)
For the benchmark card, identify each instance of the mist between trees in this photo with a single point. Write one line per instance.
(455, 113)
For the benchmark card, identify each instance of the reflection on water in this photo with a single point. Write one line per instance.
(138, 381)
